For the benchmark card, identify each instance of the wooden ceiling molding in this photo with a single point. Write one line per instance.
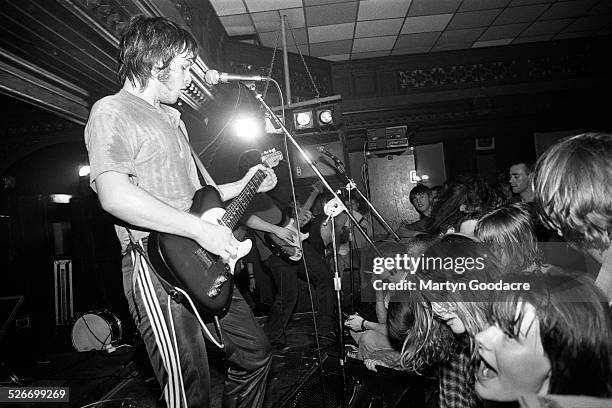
(28, 83)
(57, 57)
(77, 40)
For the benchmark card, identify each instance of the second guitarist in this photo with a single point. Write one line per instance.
(285, 274)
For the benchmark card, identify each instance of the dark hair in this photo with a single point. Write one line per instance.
(575, 329)
(423, 340)
(456, 247)
(248, 159)
(148, 43)
(412, 322)
(528, 166)
(510, 233)
(447, 212)
(573, 189)
(419, 189)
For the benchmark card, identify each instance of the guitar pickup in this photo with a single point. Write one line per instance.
(203, 257)
(215, 289)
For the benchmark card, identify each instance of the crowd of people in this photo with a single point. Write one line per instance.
(555, 338)
(499, 345)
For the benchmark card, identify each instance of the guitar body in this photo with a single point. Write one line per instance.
(182, 263)
(281, 248)
(291, 252)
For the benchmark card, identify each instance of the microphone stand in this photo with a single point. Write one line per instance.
(341, 207)
(349, 187)
(352, 186)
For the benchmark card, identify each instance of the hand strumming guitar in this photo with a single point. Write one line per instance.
(217, 239)
(285, 234)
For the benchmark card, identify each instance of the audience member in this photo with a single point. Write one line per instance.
(509, 233)
(448, 211)
(520, 181)
(462, 312)
(555, 338)
(421, 200)
(574, 195)
(371, 336)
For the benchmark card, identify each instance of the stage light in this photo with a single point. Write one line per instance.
(303, 119)
(60, 198)
(325, 116)
(84, 171)
(247, 127)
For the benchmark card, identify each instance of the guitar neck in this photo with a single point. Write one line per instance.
(238, 206)
(310, 200)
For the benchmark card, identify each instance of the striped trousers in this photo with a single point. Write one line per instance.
(176, 345)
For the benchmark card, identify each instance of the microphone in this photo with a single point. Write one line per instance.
(337, 161)
(213, 77)
(329, 154)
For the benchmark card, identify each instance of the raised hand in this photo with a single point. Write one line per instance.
(354, 322)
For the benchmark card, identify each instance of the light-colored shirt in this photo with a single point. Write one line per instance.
(128, 135)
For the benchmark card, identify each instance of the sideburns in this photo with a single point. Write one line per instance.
(164, 75)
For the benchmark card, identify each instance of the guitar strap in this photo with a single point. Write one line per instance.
(205, 175)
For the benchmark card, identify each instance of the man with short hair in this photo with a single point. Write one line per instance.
(421, 200)
(520, 181)
(144, 174)
(574, 194)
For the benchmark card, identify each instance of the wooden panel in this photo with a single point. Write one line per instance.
(390, 189)
(388, 82)
(363, 84)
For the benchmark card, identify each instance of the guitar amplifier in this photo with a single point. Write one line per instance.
(387, 138)
(62, 284)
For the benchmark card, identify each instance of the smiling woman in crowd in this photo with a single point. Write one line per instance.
(555, 338)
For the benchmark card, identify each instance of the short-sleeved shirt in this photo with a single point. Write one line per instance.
(266, 209)
(126, 134)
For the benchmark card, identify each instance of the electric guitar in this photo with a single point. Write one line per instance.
(181, 262)
(291, 252)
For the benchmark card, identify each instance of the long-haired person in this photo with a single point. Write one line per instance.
(509, 233)
(574, 195)
(144, 175)
(420, 318)
(555, 338)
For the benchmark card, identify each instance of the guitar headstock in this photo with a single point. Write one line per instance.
(271, 157)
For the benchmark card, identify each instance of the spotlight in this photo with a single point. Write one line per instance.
(84, 171)
(325, 116)
(247, 127)
(303, 119)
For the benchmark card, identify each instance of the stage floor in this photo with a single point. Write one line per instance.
(124, 378)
